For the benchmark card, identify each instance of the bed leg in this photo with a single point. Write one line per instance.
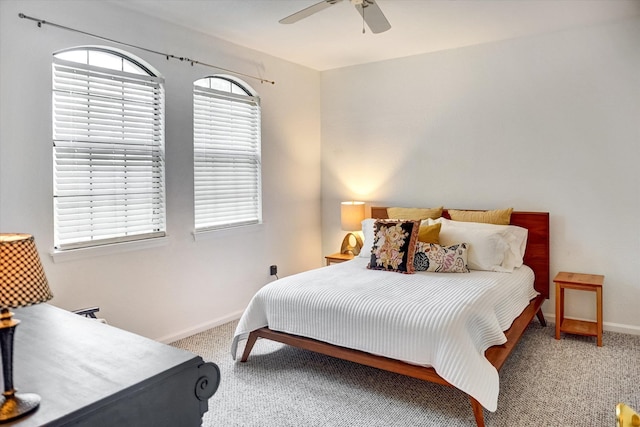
(543, 322)
(251, 340)
(478, 412)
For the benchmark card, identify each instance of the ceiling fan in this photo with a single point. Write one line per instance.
(368, 9)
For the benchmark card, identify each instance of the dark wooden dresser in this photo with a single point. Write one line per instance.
(91, 374)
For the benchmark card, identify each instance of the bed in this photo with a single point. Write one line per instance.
(472, 358)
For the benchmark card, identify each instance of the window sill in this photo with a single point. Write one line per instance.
(224, 232)
(114, 248)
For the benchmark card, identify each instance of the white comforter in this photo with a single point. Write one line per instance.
(442, 320)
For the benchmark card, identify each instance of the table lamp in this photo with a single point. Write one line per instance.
(22, 283)
(351, 216)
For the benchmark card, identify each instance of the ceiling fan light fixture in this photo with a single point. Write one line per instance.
(374, 18)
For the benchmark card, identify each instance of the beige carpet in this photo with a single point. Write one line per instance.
(545, 382)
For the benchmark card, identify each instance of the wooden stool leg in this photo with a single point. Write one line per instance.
(478, 412)
(599, 314)
(559, 309)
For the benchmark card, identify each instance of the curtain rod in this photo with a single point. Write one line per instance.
(40, 22)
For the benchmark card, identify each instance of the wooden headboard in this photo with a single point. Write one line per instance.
(537, 253)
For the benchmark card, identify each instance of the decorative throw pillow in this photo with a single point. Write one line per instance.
(416, 214)
(498, 216)
(441, 259)
(394, 246)
(429, 233)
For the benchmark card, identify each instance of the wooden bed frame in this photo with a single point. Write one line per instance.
(536, 257)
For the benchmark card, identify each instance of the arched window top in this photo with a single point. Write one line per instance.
(225, 84)
(106, 58)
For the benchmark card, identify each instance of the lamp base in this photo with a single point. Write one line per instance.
(17, 405)
(347, 248)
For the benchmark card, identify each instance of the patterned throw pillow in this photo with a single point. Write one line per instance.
(441, 259)
(394, 246)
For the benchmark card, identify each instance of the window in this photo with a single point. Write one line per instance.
(108, 149)
(227, 165)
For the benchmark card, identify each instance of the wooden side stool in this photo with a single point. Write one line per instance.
(338, 257)
(581, 282)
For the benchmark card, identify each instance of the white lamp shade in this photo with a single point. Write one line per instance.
(351, 215)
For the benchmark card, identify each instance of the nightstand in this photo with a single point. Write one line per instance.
(580, 282)
(338, 257)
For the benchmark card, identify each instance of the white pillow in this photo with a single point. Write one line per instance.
(369, 237)
(491, 247)
(517, 246)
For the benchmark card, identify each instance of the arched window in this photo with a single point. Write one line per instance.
(227, 164)
(108, 148)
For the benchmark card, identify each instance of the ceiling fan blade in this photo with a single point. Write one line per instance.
(373, 16)
(308, 11)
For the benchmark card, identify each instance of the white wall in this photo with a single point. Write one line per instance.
(546, 123)
(180, 286)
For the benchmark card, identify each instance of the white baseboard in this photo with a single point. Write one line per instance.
(200, 328)
(607, 326)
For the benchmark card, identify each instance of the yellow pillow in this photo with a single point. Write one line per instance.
(415, 214)
(498, 216)
(429, 233)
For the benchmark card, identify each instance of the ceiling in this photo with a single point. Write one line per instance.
(333, 38)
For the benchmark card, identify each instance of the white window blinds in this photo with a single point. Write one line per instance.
(108, 153)
(227, 165)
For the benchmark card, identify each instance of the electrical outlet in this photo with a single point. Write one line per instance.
(273, 270)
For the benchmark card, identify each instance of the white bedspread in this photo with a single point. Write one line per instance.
(442, 320)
